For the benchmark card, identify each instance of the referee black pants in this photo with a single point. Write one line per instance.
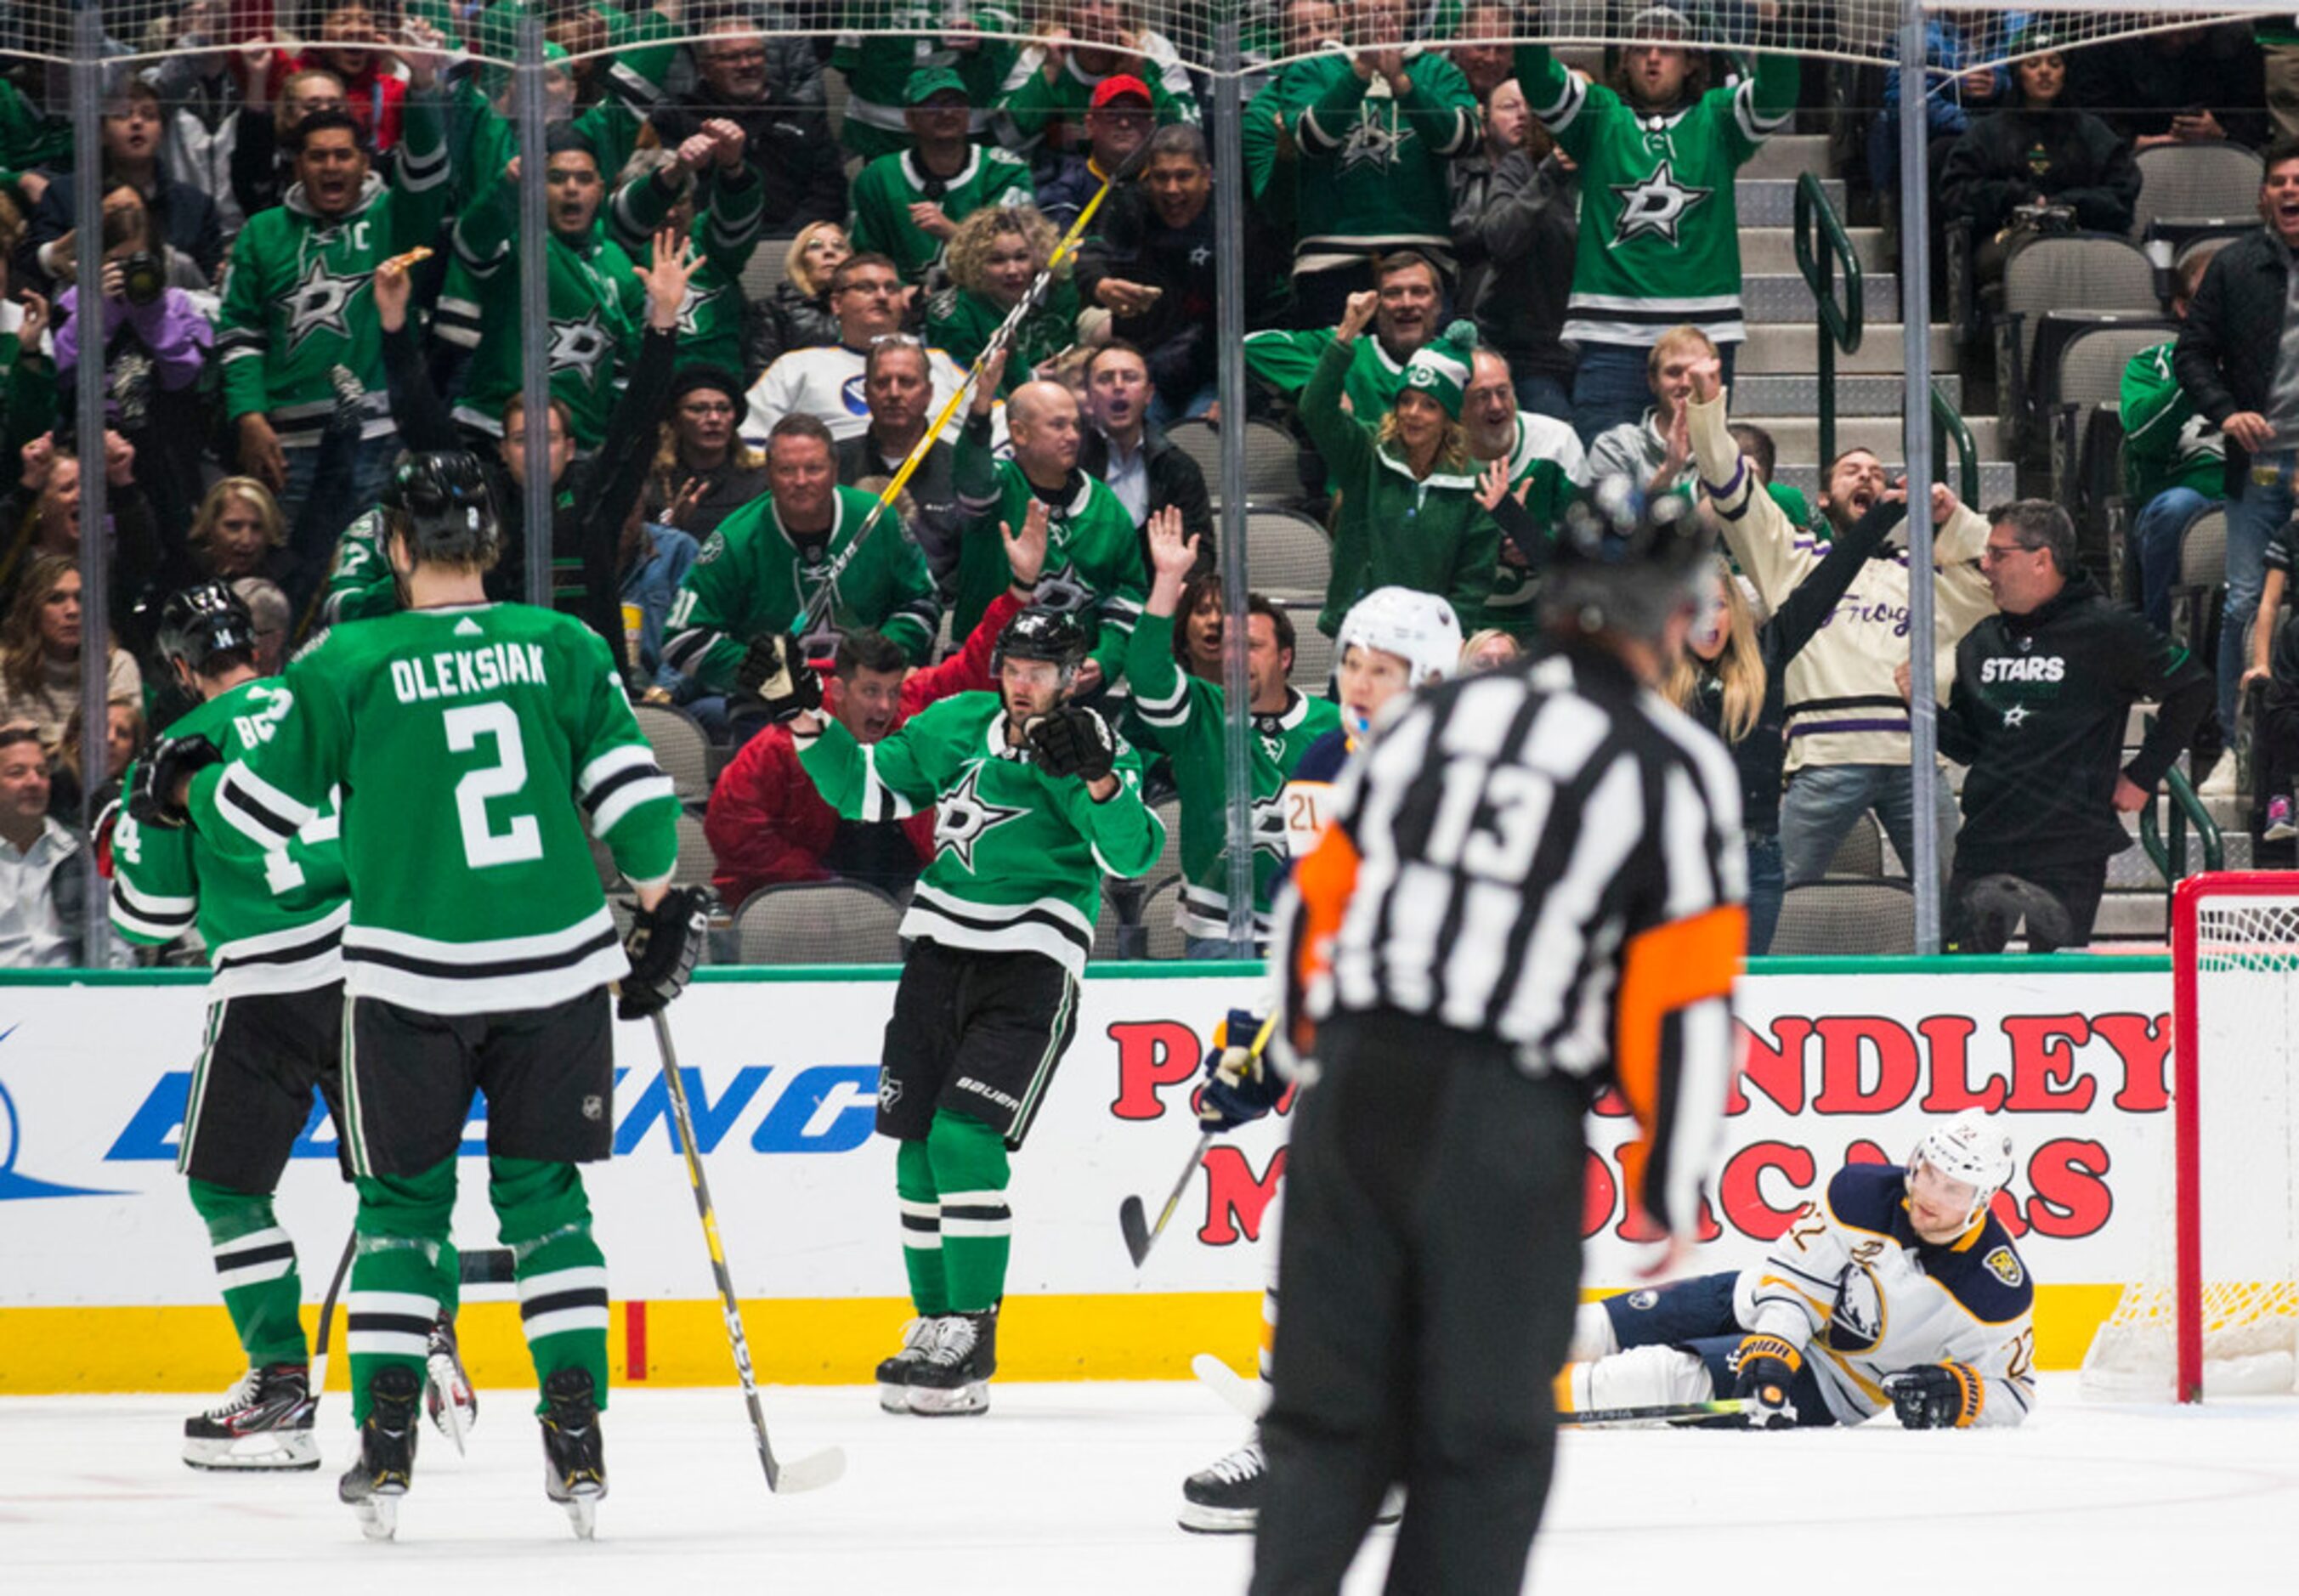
(1429, 1271)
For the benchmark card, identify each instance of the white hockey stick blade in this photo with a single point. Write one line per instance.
(811, 1472)
(1249, 1397)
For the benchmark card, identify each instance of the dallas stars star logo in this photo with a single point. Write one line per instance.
(318, 305)
(1372, 143)
(1658, 205)
(1201, 256)
(686, 308)
(964, 817)
(2016, 716)
(578, 345)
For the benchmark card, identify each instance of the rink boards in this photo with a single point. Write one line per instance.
(106, 1282)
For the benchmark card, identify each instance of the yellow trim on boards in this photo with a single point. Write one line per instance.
(833, 1341)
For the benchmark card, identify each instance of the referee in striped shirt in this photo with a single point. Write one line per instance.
(1531, 889)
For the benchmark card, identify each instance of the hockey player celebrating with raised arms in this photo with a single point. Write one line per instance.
(273, 923)
(1897, 1289)
(1035, 798)
(471, 742)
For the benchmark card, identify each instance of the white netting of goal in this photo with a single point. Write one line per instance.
(2245, 1114)
(1186, 34)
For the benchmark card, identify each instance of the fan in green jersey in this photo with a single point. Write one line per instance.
(1034, 800)
(908, 204)
(886, 41)
(1405, 317)
(703, 190)
(473, 744)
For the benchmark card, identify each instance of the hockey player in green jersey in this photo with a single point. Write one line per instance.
(908, 204)
(902, 37)
(1660, 236)
(471, 743)
(273, 924)
(301, 350)
(662, 190)
(1094, 559)
(1184, 717)
(596, 302)
(1036, 799)
(759, 569)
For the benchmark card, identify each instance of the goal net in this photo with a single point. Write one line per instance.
(2217, 1312)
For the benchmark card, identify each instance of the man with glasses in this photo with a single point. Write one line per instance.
(908, 204)
(867, 297)
(2044, 688)
(760, 72)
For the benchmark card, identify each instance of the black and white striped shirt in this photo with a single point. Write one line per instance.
(1549, 855)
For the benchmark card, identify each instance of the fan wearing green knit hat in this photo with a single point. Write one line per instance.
(1408, 514)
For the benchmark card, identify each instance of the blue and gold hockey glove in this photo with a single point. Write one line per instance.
(1767, 1367)
(1239, 1086)
(162, 775)
(1938, 1396)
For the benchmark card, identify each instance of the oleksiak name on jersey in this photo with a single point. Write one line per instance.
(1018, 854)
(272, 918)
(463, 805)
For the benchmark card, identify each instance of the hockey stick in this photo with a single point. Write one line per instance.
(1133, 1218)
(817, 603)
(1249, 1397)
(1665, 1413)
(808, 1472)
(328, 1315)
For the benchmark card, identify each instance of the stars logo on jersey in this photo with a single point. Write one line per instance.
(687, 306)
(319, 303)
(2016, 716)
(578, 345)
(964, 817)
(1201, 256)
(1656, 206)
(1373, 143)
(1063, 590)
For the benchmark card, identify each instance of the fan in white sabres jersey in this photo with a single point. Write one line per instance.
(1897, 1289)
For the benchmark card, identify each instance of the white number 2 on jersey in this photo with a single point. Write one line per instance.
(482, 846)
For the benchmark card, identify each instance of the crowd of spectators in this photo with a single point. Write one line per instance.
(1479, 281)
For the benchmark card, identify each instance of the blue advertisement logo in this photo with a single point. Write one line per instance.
(12, 1185)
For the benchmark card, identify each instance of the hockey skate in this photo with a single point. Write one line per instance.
(373, 1483)
(574, 1453)
(263, 1422)
(954, 1379)
(447, 1393)
(894, 1373)
(1223, 1498)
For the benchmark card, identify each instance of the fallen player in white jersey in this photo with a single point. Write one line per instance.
(1897, 1290)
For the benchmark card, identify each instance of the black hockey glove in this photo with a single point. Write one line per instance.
(775, 672)
(1072, 740)
(1938, 1396)
(1767, 1367)
(160, 774)
(663, 946)
(1239, 1086)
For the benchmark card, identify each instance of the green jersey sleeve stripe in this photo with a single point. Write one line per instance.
(879, 801)
(150, 919)
(260, 811)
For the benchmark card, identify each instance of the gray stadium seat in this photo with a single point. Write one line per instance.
(1841, 918)
(2092, 272)
(1288, 556)
(1272, 461)
(1860, 856)
(680, 748)
(696, 862)
(2195, 180)
(818, 922)
(1158, 911)
(1313, 650)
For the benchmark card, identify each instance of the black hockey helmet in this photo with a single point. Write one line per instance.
(200, 622)
(440, 498)
(1040, 633)
(1624, 562)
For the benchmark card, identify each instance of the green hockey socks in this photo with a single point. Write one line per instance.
(255, 1265)
(970, 1171)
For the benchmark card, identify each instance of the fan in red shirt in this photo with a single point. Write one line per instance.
(767, 824)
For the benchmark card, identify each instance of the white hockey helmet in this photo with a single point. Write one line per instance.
(1418, 627)
(1970, 1149)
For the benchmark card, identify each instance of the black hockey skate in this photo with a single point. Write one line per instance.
(1223, 1498)
(263, 1422)
(894, 1373)
(954, 1379)
(447, 1393)
(386, 1467)
(574, 1453)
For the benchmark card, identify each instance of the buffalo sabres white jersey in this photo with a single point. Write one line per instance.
(1851, 1284)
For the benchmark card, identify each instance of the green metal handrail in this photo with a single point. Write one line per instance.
(1822, 245)
(2171, 858)
(1951, 430)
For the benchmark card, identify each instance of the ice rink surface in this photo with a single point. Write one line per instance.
(1071, 1488)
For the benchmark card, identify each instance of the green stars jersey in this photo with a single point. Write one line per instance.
(2165, 442)
(1660, 240)
(1018, 854)
(892, 184)
(272, 918)
(597, 306)
(887, 40)
(726, 232)
(1093, 554)
(1032, 108)
(1548, 454)
(1374, 171)
(1286, 360)
(753, 578)
(959, 323)
(296, 304)
(1185, 718)
(471, 745)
